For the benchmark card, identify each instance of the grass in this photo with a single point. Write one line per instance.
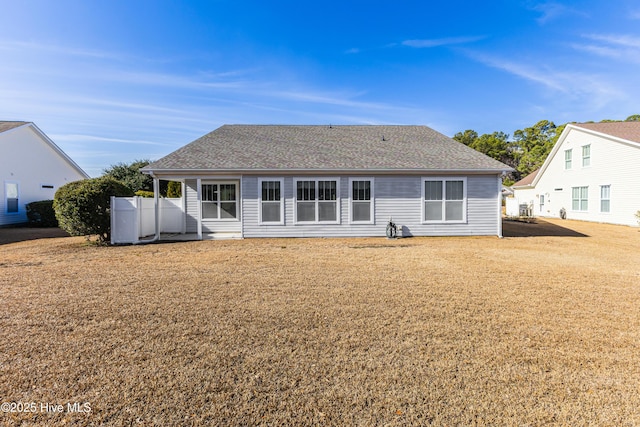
(444, 331)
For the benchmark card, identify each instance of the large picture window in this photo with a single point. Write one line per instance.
(220, 201)
(361, 200)
(444, 200)
(316, 200)
(580, 198)
(271, 201)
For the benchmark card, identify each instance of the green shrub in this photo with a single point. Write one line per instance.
(144, 193)
(83, 207)
(41, 214)
(174, 189)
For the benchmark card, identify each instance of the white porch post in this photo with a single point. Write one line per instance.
(199, 185)
(183, 194)
(500, 206)
(156, 205)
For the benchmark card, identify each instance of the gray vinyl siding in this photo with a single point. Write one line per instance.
(397, 197)
(191, 186)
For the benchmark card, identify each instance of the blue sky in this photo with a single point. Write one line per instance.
(113, 81)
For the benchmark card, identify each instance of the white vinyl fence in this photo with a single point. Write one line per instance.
(134, 217)
(516, 209)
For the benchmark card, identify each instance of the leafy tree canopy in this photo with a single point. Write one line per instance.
(467, 137)
(130, 175)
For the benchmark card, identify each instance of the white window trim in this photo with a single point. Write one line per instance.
(601, 199)
(444, 179)
(580, 199)
(237, 201)
(260, 221)
(371, 200)
(583, 157)
(6, 199)
(570, 159)
(295, 200)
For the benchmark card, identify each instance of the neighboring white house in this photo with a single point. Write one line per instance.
(592, 173)
(321, 181)
(32, 168)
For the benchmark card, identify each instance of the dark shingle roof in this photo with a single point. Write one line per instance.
(5, 126)
(325, 148)
(625, 130)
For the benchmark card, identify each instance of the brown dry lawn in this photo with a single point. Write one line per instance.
(540, 330)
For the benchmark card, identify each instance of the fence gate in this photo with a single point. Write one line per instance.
(134, 217)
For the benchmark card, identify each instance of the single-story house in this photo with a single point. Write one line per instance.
(32, 168)
(321, 181)
(591, 174)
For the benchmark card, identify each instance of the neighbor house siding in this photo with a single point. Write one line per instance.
(399, 198)
(611, 162)
(35, 166)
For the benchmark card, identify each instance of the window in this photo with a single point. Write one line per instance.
(605, 198)
(444, 200)
(567, 159)
(316, 200)
(579, 198)
(11, 197)
(361, 200)
(542, 203)
(271, 202)
(219, 201)
(586, 155)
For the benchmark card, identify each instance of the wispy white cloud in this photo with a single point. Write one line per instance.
(56, 49)
(616, 40)
(92, 138)
(622, 47)
(551, 11)
(426, 43)
(420, 43)
(589, 88)
(521, 70)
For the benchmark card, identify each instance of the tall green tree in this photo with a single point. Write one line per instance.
(533, 145)
(467, 137)
(495, 145)
(130, 175)
(633, 118)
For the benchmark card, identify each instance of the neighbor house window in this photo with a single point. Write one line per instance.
(361, 200)
(219, 201)
(11, 197)
(605, 198)
(567, 159)
(316, 200)
(444, 200)
(271, 201)
(579, 198)
(586, 155)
